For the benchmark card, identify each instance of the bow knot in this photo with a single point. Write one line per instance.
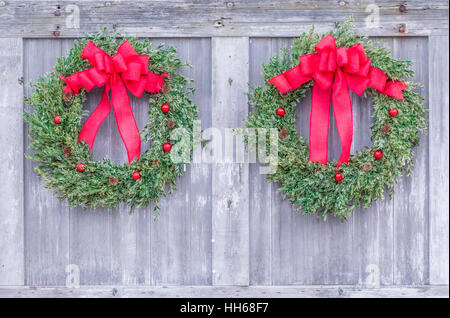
(335, 70)
(125, 70)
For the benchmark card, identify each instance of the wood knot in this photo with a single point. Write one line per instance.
(219, 24)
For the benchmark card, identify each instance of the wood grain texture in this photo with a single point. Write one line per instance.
(375, 246)
(218, 18)
(224, 225)
(114, 247)
(46, 218)
(372, 227)
(411, 214)
(311, 291)
(438, 159)
(260, 191)
(181, 238)
(11, 156)
(230, 205)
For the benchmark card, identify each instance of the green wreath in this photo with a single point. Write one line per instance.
(319, 188)
(67, 166)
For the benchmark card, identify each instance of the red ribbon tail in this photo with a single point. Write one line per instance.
(126, 124)
(319, 124)
(92, 124)
(342, 107)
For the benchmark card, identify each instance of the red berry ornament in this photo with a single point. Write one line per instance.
(167, 147)
(281, 111)
(378, 154)
(393, 112)
(136, 175)
(165, 108)
(80, 167)
(338, 177)
(57, 119)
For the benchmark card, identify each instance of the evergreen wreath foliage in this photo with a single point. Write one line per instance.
(311, 186)
(105, 183)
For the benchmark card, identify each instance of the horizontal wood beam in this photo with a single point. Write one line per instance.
(316, 291)
(42, 19)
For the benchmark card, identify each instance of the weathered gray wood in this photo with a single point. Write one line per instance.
(438, 158)
(113, 247)
(311, 291)
(260, 192)
(230, 205)
(46, 218)
(11, 156)
(218, 18)
(225, 225)
(372, 227)
(306, 250)
(412, 193)
(181, 237)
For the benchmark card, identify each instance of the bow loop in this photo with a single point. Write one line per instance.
(342, 56)
(125, 70)
(335, 71)
(120, 65)
(328, 43)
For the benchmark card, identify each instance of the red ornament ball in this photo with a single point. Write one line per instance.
(80, 167)
(167, 146)
(338, 177)
(378, 154)
(281, 111)
(136, 175)
(393, 112)
(57, 119)
(165, 108)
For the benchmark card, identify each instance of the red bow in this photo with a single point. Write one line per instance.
(334, 70)
(126, 69)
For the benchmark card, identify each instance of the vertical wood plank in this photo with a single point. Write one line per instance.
(11, 156)
(373, 227)
(439, 156)
(412, 193)
(181, 237)
(46, 218)
(305, 249)
(114, 247)
(260, 191)
(230, 206)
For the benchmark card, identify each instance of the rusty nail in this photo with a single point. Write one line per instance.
(402, 28)
(57, 32)
(218, 24)
(230, 81)
(402, 8)
(57, 13)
